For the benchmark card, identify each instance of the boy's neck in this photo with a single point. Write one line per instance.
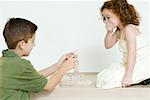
(18, 52)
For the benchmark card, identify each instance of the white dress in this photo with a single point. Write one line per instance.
(112, 76)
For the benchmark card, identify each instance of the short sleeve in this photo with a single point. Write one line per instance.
(30, 80)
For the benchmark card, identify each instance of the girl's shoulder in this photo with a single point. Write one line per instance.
(130, 28)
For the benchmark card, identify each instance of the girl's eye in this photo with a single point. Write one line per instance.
(104, 18)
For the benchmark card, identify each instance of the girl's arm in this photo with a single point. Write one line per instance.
(130, 33)
(110, 39)
(111, 36)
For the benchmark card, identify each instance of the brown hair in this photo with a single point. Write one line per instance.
(17, 29)
(125, 11)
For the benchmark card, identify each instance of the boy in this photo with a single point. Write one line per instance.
(17, 75)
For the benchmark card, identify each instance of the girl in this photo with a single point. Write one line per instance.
(122, 23)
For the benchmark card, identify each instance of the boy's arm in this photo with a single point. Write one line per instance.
(54, 80)
(65, 66)
(50, 70)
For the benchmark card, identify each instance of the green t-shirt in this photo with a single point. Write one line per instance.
(18, 77)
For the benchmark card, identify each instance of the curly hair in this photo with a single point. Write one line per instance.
(125, 11)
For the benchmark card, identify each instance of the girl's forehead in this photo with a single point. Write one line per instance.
(107, 12)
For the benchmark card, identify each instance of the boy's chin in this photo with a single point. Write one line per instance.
(25, 55)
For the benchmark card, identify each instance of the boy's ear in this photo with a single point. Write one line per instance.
(21, 44)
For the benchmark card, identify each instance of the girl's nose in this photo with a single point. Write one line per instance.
(106, 21)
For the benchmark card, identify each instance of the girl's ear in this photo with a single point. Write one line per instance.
(21, 44)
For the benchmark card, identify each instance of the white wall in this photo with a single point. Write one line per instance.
(65, 26)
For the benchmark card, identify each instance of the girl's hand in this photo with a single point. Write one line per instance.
(109, 27)
(126, 81)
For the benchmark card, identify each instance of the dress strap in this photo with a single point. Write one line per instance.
(121, 34)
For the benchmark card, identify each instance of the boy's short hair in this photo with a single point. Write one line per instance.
(17, 29)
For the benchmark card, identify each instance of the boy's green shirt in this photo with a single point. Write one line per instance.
(18, 77)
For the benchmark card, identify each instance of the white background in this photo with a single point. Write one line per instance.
(65, 26)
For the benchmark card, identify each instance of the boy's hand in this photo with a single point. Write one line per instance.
(67, 61)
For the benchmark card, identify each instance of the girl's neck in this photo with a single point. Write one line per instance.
(120, 26)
